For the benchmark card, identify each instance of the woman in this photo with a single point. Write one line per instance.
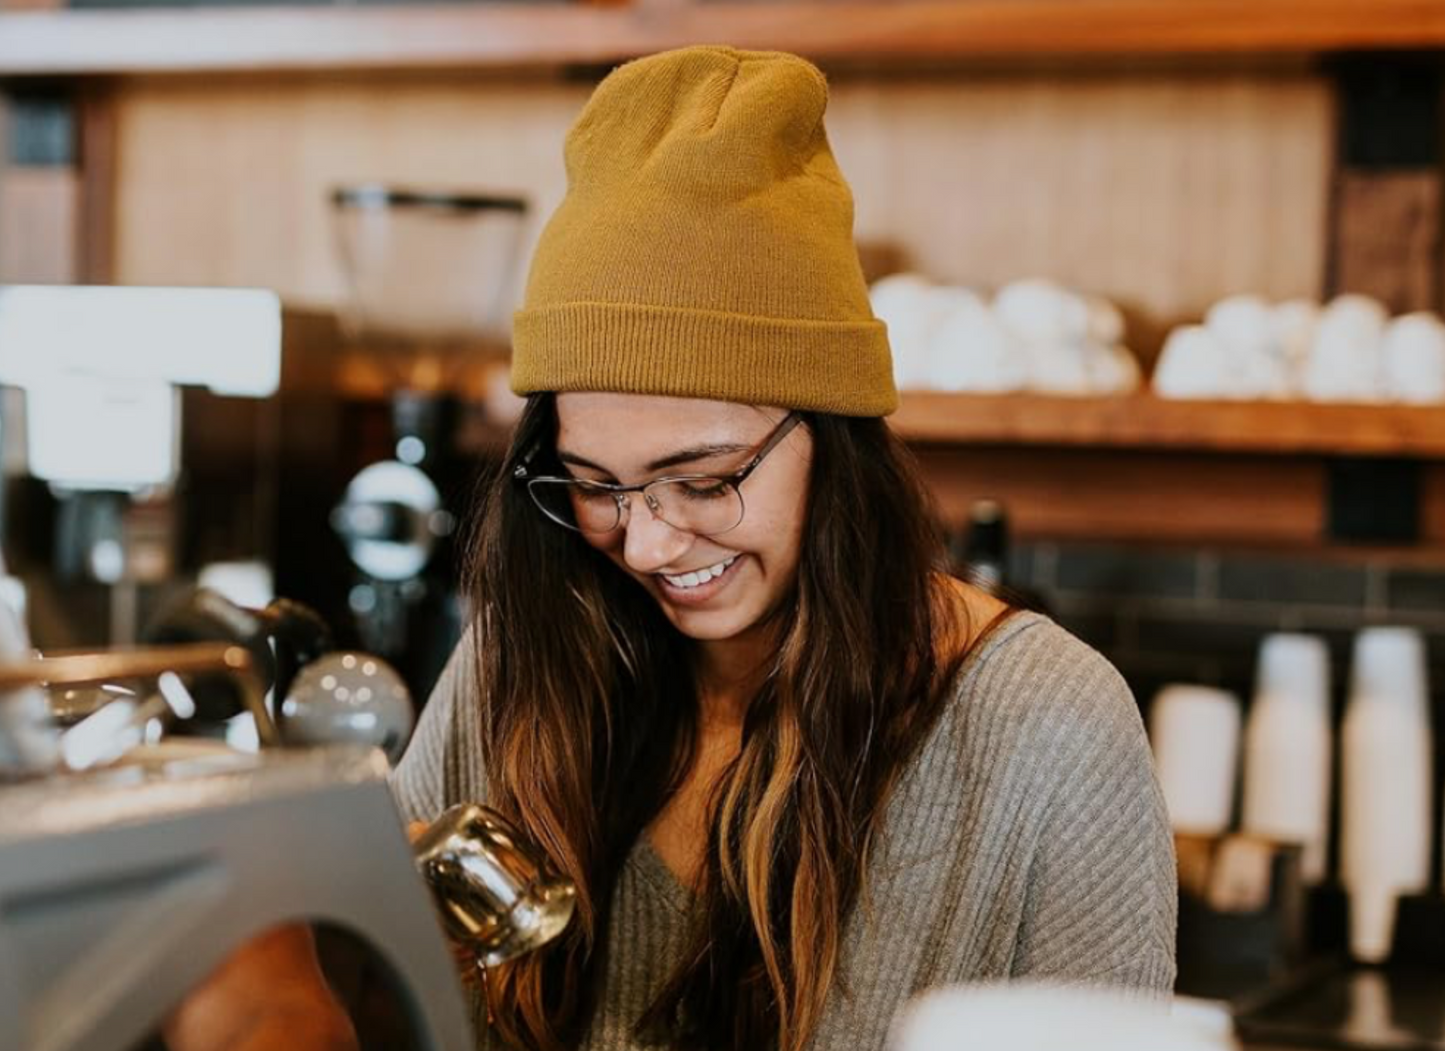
(798, 774)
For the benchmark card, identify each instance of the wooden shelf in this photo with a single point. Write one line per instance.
(509, 34)
(1147, 423)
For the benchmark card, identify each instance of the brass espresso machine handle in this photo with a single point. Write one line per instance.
(80, 669)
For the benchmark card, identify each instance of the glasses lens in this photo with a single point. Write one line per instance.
(705, 506)
(576, 505)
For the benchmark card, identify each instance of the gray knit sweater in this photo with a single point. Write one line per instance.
(1026, 839)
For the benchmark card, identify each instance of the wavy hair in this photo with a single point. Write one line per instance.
(590, 723)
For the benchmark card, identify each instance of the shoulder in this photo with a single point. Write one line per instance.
(1030, 685)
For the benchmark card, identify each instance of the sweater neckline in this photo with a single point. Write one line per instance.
(654, 871)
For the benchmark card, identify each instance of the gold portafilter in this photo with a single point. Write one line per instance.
(498, 895)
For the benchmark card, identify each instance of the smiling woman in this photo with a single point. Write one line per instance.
(693, 536)
(716, 667)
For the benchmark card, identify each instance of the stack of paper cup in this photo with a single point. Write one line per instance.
(1385, 792)
(1288, 742)
(1194, 731)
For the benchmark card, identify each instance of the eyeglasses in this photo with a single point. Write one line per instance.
(704, 505)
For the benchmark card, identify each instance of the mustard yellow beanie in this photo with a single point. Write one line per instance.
(705, 247)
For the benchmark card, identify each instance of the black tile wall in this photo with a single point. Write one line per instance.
(1416, 590)
(1168, 615)
(1295, 582)
(1233, 641)
(1097, 625)
(1120, 571)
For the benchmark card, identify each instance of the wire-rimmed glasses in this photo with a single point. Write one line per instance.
(704, 505)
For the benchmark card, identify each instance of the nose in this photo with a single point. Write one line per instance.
(650, 543)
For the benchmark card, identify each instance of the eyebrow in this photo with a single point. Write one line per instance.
(697, 452)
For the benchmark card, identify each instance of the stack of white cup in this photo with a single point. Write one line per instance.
(1385, 791)
(1288, 744)
(1348, 350)
(1035, 335)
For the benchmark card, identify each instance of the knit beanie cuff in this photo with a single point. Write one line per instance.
(636, 349)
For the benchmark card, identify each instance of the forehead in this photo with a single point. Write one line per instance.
(639, 427)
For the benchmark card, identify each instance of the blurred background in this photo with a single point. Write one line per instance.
(1163, 280)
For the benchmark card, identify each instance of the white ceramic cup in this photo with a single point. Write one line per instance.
(909, 306)
(1194, 363)
(1412, 365)
(1041, 311)
(1288, 745)
(1344, 362)
(1194, 731)
(971, 350)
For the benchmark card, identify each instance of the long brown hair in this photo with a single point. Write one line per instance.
(589, 723)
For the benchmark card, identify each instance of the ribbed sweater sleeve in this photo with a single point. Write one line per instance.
(1100, 903)
(442, 764)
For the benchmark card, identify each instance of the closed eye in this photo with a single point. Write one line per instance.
(703, 489)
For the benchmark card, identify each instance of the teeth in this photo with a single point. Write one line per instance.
(700, 576)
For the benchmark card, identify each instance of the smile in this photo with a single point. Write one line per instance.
(688, 581)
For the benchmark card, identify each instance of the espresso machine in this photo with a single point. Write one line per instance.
(427, 282)
(134, 861)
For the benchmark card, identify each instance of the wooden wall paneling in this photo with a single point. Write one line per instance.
(39, 225)
(228, 183)
(1388, 217)
(1163, 192)
(97, 146)
(1169, 498)
(1387, 237)
(1432, 507)
(1149, 497)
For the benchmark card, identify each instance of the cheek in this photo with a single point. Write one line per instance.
(610, 544)
(777, 531)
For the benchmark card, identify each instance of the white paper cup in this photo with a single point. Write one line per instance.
(1288, 744)
(1390, 662)
(1194, 731)
(1385, 760)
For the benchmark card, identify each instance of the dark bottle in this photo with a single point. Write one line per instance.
(981, 556)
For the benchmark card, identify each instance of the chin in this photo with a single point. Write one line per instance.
(708, 627)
